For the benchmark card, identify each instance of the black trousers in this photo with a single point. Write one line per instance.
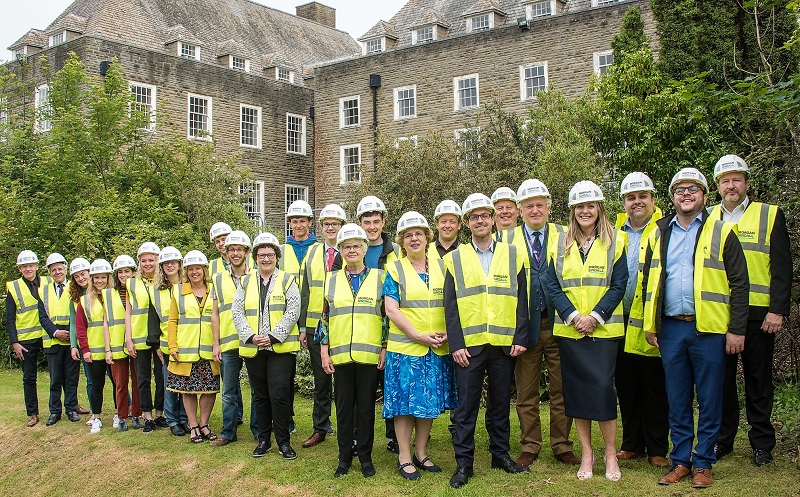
(759, 390)
(643, 406)
(499, 368)
(270, 378)
(356, 386)
(97, 368)
(148, 366)
(64, 374)
(321, 415)
(29, 375)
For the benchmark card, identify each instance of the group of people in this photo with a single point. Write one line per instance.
(639, 315)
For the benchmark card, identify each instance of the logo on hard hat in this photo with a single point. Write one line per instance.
(584, 194)
(634, 184)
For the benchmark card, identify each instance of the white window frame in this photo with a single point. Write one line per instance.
(398, 108)
(530, 9)
(598, 68)
(289, 199)
(41, 105)
(472, 21)
(457, 100)
(342, 118)
(210, 121)
(415, 34)
(132, 85)
(255, 198)
(257, 110)
(290, 74)
(603, 3)
(234, 60)
(289, 150)
(462, 144)
(19, 53)
(188, 46)
(523, 81)
(342, 165)
(413, 139)
(57, 38)
(381, 42)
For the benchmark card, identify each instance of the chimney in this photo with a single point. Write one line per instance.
(315, 11)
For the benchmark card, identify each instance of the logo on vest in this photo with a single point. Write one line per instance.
(597, 269)
(501, 279)
(278, 299)
(365, 301)
(438, 291)
(747, 235)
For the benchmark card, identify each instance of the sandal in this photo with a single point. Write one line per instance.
(196, 439)
(207, 436)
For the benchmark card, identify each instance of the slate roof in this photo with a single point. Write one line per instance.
(34, 38)
(382, 28)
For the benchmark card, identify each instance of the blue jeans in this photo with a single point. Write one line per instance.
(692, 362)
(173, 406)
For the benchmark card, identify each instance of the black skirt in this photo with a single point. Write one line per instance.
(587, 372)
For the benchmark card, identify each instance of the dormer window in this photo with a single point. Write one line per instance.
(19, 53)
(283, 74)
(239, 63)
(543, 8)
(58, 38)
(424, 34)
(374, 46)
(188, 51)
(480, 22)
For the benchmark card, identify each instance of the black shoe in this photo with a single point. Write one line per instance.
(149, 426)
(53, 419)
(433, 468)
(508, 465)
(461, 476)
(408, 476)
(721, 450)
(262, 448)
(761, 457)
(185, 427)
(341, 470)
(287, 452)
(367, 469)
(391, 446)
(177, 430)
(161, 422)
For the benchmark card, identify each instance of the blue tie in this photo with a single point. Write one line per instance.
(537, 245)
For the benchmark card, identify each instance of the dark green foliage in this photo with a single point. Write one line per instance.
(631, 35)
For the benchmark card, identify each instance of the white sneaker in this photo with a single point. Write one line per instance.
(115, 424)
(96, 425)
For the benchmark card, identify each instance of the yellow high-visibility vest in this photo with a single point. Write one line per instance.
(139, 298)
(355, 321)
(517, 238)
(162, 303)
(276, 306)
(225, 290)
(115, 315)
(27, 316)
(217, 266)
(289, 263)
(95, 311)
(194, 334)
(57, 310)
(314, 276)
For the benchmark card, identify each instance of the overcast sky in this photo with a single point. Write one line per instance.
(353, 16)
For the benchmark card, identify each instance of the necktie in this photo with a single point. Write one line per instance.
(537, 245)
(59, 289)
(329, 259)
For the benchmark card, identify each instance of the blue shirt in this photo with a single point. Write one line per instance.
(485, 257)
(634, 240)
(373, 255)
(679, 285)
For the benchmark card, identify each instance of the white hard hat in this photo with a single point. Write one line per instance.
(531, 188)
(148, 248)
(124, 261)
(27, 257)
(351, 231)
(504, 193)
(689, 174)
(169, 254)
(266, 239)
(195, 258)
(238, 238)
(100, 266)
(447, 207)
(333, 211)
(476, 201)
(730, 164)
(636, 182)
(370, 203)
(299, 208)
(412, 219)
(219, 229)
(585, 191)
(53, 258)
(78, 264)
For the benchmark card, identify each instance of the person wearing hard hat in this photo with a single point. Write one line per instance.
(352, 346)
(447, 218)
(168, 275)
(486, 314)
(639, 377)
(226, 283)
(299, 216)
(122, 369)
(146, 357)
(218, 233)
(586, 278)
(64, 372)
(93, 338)
(320, 260)
(533, 239)
(78, 284)
(194, 354)
(419, 380)
(27, 322)
(765, 241)
(265, 312)
(506, 214)
(696, 289)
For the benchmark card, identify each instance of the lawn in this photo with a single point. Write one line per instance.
(66, 460)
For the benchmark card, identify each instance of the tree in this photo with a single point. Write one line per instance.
(631, 35)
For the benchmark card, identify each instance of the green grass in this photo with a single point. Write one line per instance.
(66, 460)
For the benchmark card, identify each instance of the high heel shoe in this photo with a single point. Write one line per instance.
(585, 475)
(614, 475)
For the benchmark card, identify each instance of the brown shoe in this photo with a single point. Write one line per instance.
(675, 475)
(568, 458)
(81, 410)
(313, 440)
(526, 458)
(627, 455)
(658, 461)
(33, 420)
(221, 442)
(702, 478)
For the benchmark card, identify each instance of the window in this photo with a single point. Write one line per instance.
(467, 144)
(481, 22)
(143, 105)
(295, 134)
(58, 38)
(19, 53)
(540, 9)
(532, 78)
(349, 113)
(188, 51)
(253, 200)
(405, 102)
(283, 74)
(41, 103)
(249, 126)
(350, 164)
(239, 63)
(294, 192)
(600, 3)
(423, 35)
(465, 92)
(199, 117)
(602, 61)
(404, 141)
(373, 46)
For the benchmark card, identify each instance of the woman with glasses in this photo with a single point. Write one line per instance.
(419, 382)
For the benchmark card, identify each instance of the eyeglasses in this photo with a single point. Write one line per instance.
(485, 217)
(331, 225)
(236, 250)
(352, 248)
(268, 257)
(683, 189)
(415, 234)
(170, 263)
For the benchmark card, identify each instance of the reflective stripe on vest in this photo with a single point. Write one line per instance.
(277, 307)
(289, 262)
(94, 311)
(217, 266)
(355, 321)
(139, 298)
(57, 309)
(27, 316)
(115, 314)
(314, 275)
(162, 302)
(486, 304)
(225, 290)
(195, 338)
(252, 302)
(422, 305)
